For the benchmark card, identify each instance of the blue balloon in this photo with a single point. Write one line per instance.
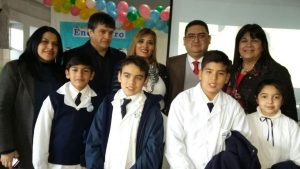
(112, 14)
(100, 5)
(132, 9)
(149, 23)
(160, 25)
(154, 15)
(166, 29)
(110, 6)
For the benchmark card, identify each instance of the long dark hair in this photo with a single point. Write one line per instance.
(255, 32)
(30, 54)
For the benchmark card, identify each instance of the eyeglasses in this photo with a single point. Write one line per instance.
(193, 36)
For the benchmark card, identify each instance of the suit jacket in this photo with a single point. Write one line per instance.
(176, 73)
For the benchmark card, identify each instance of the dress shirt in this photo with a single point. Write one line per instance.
(121, 145)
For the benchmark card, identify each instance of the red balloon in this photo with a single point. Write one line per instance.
(74, 11)
(165, 15)
(47, 2)
(145, 11)
(122, 6)
(121, 16)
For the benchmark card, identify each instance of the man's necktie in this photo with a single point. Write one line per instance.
(123, 106)
(77, 100)
(210, 106)
(196, 67)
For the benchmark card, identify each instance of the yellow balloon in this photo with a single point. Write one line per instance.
(80, 4)
(84, 14)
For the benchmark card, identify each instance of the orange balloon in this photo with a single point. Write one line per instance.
(127, 25)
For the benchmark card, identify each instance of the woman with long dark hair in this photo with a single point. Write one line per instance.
(25, 83)
(253, 63)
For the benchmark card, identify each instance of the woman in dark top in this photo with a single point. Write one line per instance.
(144, 45)
(25, 83)
(251, 64)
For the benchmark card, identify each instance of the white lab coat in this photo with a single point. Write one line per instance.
(195, 135)
(286, 134)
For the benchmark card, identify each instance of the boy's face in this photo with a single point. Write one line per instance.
(79, 75)
(132, 79)
(269, 100)
(212, 77)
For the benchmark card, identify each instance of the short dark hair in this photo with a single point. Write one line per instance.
(196, 22)
(272, 82)
(218, 57)
(80, 60)
(138, 61)
(101, 18)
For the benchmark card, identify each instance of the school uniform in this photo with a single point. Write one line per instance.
(134, 141)
(61, 128)
(277, 138)
(194, 134)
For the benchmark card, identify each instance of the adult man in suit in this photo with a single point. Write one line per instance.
(183, 69)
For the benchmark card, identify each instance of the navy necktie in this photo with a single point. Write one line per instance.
(210, 106)
(123, 106)
(77, 100)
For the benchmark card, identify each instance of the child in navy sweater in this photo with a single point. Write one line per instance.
(65, 118)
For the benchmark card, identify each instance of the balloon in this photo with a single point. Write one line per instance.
(74, 11)
(144, 11)
(138, 23)
(84, 14)
(127, 25)
(80, 4)
(159, 8)
(154, 15)
(168, 8)
(73, 2)
(90, 3)
(110, 6)
(65, 6)
(160, 25)
(132, 9)
(132, 16)
(122, 16)
(92, 11)
(122, 6)
(166, 29)
(100, 5)
(112, 14)
(47, 2)
(149, 23)
(165, 15)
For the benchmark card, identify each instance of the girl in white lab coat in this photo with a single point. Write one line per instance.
(276, 136)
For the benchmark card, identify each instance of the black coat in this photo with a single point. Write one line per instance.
(269, 69)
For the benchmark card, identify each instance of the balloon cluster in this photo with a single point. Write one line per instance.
(127, 17)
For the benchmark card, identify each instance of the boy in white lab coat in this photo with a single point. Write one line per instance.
(201, 118)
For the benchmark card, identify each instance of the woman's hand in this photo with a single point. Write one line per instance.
(7, 159)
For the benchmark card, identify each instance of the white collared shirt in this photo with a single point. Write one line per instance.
(286, 134)
(194, 134)
(191, 60)
(42, 130)
(121, 145)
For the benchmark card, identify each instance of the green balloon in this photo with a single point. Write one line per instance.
(73, 1)
(131, 16)
(159, 8)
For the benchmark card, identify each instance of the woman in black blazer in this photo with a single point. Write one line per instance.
(25, 83)
(251, 64)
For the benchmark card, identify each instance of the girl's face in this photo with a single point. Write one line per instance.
(47, 48)
(269, 100)
(145, 46)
